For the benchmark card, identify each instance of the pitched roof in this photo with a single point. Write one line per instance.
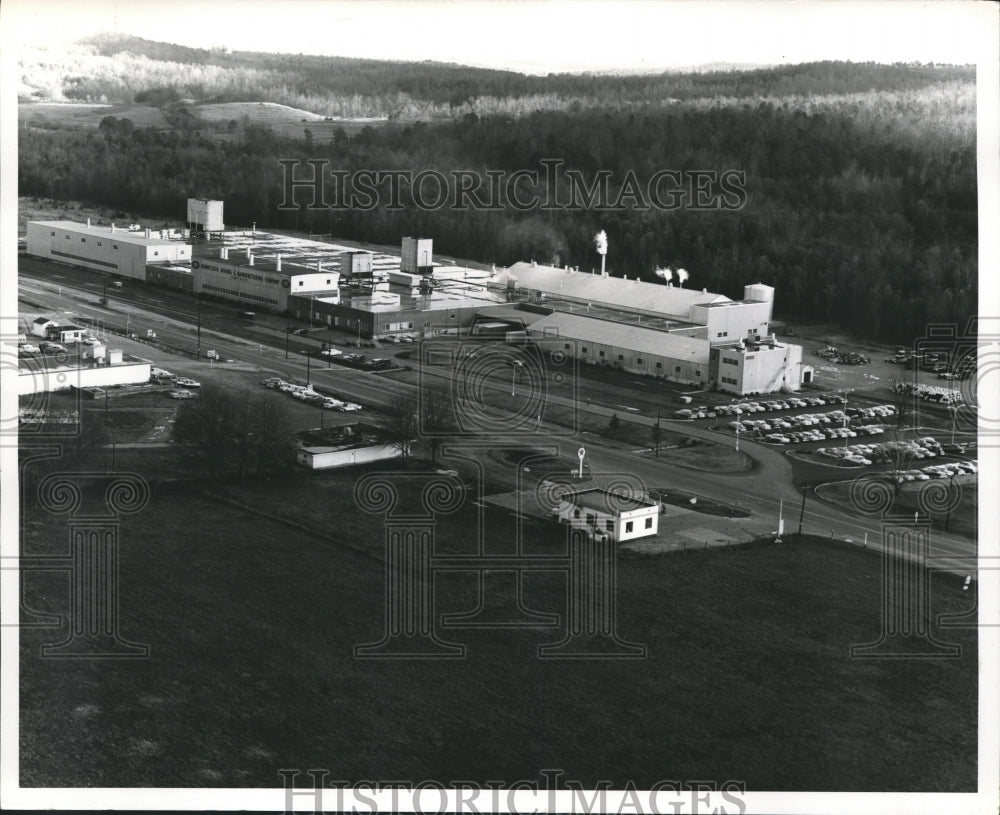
(633, 295)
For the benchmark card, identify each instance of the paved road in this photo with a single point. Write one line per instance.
(762, 491)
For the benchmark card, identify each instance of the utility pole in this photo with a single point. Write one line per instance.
(308, 369)
(287, 326)
(802, 512)
(198, 353)
(657, 431)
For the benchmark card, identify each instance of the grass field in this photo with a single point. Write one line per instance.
(252, 623)
(88, 115)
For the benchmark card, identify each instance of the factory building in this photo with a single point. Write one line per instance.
(264, 282)
(683, 335)
(112, 250)
(631, 348)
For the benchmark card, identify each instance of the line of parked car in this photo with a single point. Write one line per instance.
(807, 427)
(926, 447)
(308, 395)
(744, 408)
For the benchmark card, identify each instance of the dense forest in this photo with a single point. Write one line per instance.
(860, 209)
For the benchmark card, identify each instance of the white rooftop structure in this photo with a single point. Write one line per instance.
(618, 292)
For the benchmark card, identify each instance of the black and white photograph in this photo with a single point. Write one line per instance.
(472, 406)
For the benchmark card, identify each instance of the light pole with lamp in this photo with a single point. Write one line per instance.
(847, 419)
(515, 366)
(953, 409)
(739, 424)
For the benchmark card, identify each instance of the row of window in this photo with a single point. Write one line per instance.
(239, 295)
(84, 240)
(728, 361)
(728, 380)
(621, 358)
(722, 334)
(104, 263)
(396, 326)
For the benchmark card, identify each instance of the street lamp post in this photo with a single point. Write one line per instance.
(198, 353)
(953, 409)
(514, 368)
(287, 326)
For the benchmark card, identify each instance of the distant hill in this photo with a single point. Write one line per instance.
(116, 68)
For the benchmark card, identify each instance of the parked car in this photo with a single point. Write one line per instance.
(182, 394)
(273, 382)
(330, 352)
(184, 382)
(27, 348)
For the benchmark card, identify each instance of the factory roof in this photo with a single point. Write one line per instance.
(121, 234)
(618, 292)
(605, 501)
(621, 335)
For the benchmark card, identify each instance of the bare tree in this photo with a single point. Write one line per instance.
(897, 454)
(403, 422)
(437, 416)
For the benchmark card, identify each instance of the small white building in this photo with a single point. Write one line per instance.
(606, 513)
(65, 333)
(350, 444)
(40, 327)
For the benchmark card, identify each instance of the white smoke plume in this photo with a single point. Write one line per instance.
(682, 275)
(666, 275)
(601, 242)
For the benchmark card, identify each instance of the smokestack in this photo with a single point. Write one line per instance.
(277, 263)
(147, 234)
(88, 223)
(682, 276)
(224, 253)
(601, 244)
(250, 258)
(112, 227)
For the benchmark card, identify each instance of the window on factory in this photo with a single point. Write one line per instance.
(300, 282)
(621, 356)
(639, 361)
(697, 373)
(591, 518)
(328, 282)
(677, 369)
(609, 525)
(602, 353)
(67, 237)
(649, 523)
(723, 334)
(628, 526)
(52, 234)
(156, 254)
(116, 246)
(659, 364)
(566, 346)
(583, 350)
(83, 240)
(99, 243)
(576, 513)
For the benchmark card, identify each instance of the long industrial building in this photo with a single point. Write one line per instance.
(683, 335)
(687, 336)
(112, 250)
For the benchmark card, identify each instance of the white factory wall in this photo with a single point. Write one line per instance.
(765, 370)
(731, 322)
(120, 253)
(53, 379)
(690, 370)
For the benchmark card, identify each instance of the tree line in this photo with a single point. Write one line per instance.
(853, 225)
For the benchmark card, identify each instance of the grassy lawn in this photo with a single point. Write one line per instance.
(252, 623)
(964, 517)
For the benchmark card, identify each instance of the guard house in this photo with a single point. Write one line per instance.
(620, 517)
(65, 333)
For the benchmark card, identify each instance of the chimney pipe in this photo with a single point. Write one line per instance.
(88, 223)
(112, 227)
(250, 258)
(277, 263)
